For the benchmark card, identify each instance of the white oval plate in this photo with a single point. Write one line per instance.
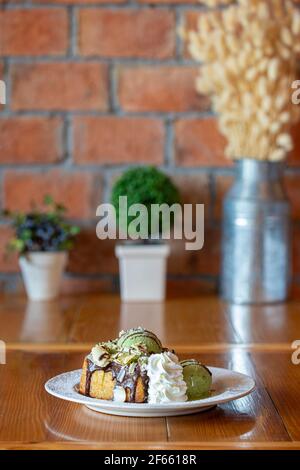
(227, 385)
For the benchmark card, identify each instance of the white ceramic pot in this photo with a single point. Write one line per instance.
(143, 272)
(42, 273)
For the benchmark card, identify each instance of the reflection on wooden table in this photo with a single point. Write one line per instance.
(45, 339)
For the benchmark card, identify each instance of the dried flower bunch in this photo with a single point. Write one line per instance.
(249, 50)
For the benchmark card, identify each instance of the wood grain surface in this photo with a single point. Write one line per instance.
(45, 339)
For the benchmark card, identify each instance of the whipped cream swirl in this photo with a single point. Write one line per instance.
(166, 382)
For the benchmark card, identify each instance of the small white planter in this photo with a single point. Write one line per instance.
(143, 272)
(42, 273)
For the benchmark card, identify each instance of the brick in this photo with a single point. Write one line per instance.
(296, 249)
(294, 157)
(190, 19)
(295, 290)
(160, 89)
(31, 140)
(194, 189)
(292, 184)
(190, 22)
(201, 262)
(81, 285)
(76, 2)
(93, 256)
(59, 86)
(127, 33)
(112, 140)
(34, 32)
(75, 190)
(8, 261)
(171, 2)
(198, 142)
(193, 288)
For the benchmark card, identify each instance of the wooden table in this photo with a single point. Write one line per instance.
(45, 339)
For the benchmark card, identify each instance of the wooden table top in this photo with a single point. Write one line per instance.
(45, 339)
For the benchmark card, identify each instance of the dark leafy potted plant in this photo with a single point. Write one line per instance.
(42, 239)
(142, 260)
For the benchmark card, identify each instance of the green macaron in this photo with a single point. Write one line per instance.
(140, 337)
(198, 379)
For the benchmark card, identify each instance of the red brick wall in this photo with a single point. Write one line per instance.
(95, 86)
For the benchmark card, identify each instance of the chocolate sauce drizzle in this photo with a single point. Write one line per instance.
(122, 376)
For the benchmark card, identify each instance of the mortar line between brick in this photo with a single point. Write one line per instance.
(179, 41)
(113, 89)
(7, 81)
(106, 185)
(1, 189)
(176, 170)
(117, 113)
(81, 59)
(68, 141)
(84, 223)
(131, 6)
(73, 30)
(169, 144)
(6, 78)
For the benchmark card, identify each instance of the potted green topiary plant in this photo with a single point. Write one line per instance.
(142, 260)
(42, 239)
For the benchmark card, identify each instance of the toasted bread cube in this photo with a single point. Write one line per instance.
(102, 385)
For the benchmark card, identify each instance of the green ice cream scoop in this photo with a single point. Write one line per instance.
(197, 378)
(140, 337)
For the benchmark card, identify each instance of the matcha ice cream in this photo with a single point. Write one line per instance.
(141, 338)
(198, 379)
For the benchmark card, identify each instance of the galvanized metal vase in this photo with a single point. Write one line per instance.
(256, 235)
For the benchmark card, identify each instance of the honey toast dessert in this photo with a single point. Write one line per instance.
(136, 368)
